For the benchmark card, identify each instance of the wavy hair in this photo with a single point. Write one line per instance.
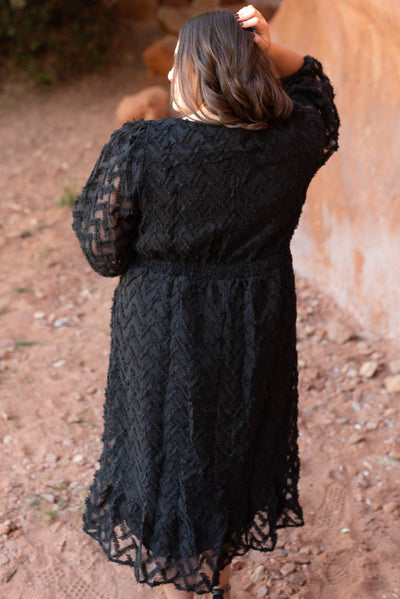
(220, 70)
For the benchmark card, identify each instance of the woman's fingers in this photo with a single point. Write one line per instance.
(253, 22)
(247, 13)
(248, 16)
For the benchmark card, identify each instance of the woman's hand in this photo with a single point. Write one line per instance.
(286, 61)
(248, 16)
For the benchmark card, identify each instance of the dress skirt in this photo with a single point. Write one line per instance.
(200, 458)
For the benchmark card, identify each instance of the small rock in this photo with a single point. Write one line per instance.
(58, 363)
(51, 458)
(7, 439)
(352, 372)
(368, 369)
(72, 419)
(287, 569)
(358, 496)
(6, 527)
(298, 578)
(317, 550)
(262, 592)
(338, 332)
(39, 315)
(390, 507)
(394, 366)
(258, 574)
(91, 390)
(392, 383)
(61, 322)
(389, 412)
(345, 368)
(356, 438)
(300, 558)
(309, 330)
(48, 497)
(78, 459)
(371, 425)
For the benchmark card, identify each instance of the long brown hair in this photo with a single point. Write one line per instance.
(219, 66)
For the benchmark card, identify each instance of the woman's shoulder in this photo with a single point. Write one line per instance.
(131, 128)
(129, 133)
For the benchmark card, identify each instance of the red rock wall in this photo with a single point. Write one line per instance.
(348, 241)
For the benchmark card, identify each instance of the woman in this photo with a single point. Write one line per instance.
(200, 459)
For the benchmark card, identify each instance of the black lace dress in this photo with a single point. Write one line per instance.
(200, 460)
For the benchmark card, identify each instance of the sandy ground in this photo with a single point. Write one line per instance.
(54, 318)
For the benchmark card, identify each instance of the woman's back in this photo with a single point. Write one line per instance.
(211, 193)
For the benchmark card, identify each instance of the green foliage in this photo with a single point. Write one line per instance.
(51, 515)
(68, 198)
(22, 289)
(25, 343)
(34, 500)
(54, 39)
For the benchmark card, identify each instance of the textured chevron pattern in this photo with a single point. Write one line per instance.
(200, 458)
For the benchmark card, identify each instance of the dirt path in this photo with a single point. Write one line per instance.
(53, 357)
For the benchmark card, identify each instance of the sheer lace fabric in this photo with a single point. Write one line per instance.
(200, 458)
(107, 215)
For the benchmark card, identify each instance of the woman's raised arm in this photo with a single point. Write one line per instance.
(285, 60)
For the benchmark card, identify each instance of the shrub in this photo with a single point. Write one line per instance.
(53, 39)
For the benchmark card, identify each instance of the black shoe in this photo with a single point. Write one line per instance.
(218, 593)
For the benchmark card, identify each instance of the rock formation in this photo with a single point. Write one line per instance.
(150, 103)
(348, 241)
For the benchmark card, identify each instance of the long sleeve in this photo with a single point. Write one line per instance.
(106, 215)
(310, 88)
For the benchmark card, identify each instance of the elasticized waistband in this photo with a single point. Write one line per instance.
(211, 269)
